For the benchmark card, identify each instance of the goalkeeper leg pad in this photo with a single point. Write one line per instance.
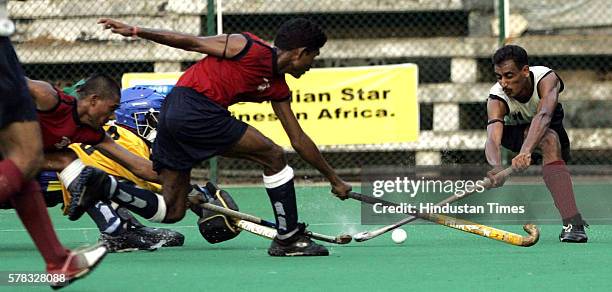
(216, 227)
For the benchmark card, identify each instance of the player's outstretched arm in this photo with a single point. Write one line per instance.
(226, 46)
(495, 129)
(139, 166)
(307, 149)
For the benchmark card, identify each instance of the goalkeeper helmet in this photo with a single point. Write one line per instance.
(138, 111)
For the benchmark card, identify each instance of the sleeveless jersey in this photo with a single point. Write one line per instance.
(520, 113)
(250, 76)
(60, 125)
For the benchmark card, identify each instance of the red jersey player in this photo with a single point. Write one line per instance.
(195, 125)
(65, 120)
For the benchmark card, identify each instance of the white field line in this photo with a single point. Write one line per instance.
(172, 227)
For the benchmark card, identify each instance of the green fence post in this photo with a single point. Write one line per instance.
(211, 30)
(502, 9)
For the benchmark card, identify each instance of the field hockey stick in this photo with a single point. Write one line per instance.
(340, 239)
(263, 231)
(466, 226)
(367, 235)
(254, 228)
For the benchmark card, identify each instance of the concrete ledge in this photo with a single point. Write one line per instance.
(283, 6)
(108, 8)
(478, 92)
(335, 49)
(71, 8)
(581, 139)
(53, 51)
(80, 30)
(454, 47)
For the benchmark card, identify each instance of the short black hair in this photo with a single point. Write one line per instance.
(511, 52)
(101, 85)
(300, 32)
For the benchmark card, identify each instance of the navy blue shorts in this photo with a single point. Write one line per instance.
(514, 136)
(191, 128)
(16, 104)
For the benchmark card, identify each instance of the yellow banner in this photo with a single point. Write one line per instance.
(335, 106)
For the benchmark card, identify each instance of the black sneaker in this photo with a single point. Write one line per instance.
(126, 216)
(297, 245)
(573, 233)
(142, 238)
(90, 187)
(172, 238)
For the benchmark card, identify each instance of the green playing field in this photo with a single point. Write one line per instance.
(433, 257)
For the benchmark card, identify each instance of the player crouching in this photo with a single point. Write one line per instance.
(138, 111)
(87, 175)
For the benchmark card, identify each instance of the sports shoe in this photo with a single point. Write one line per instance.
(78, 264)
(297, 245)
(573, 233)
(91, 186)
(142, 238)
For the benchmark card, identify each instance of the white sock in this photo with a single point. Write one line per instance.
(161, 210)
(278, 179)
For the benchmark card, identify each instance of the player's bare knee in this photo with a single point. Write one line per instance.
(550, 141)
(174, 213)
(277, 160)
(175, 205)
(550, 145)
(173, 218)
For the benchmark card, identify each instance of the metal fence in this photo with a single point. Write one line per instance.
(451, 41)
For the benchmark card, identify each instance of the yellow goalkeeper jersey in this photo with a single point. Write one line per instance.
(128, 140)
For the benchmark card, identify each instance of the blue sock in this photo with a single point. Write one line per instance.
(106, 218)
(145, 203)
